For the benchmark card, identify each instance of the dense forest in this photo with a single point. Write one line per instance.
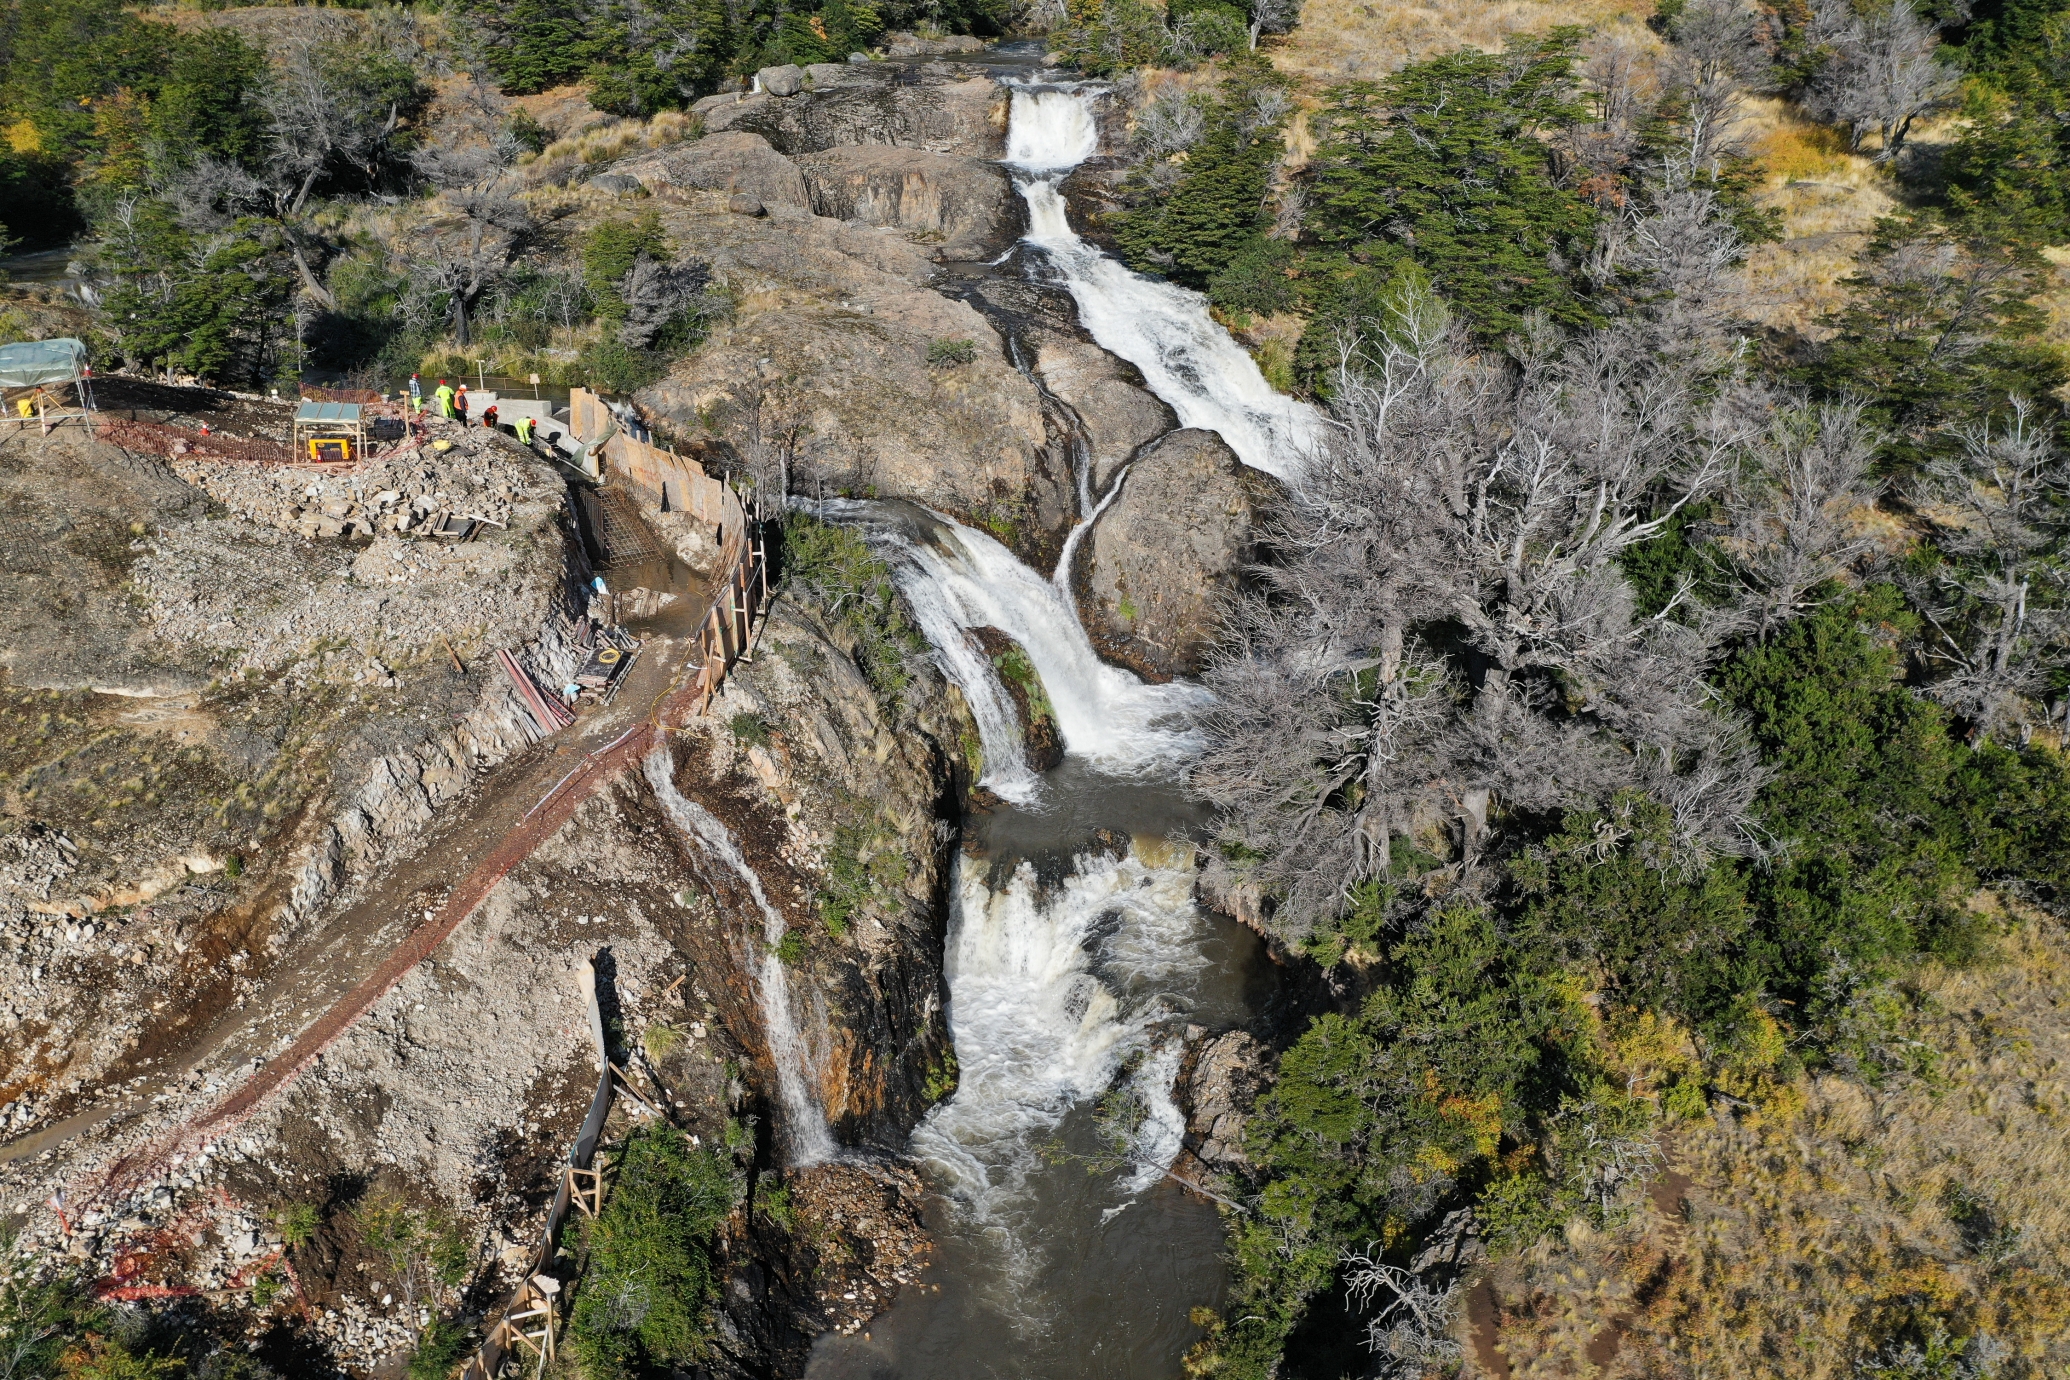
(1636, 697)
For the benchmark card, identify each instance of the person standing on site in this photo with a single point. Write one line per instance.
(460, 404)
(416, 394)
(443, 396)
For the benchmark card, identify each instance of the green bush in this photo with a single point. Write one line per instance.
(949, 352)
(440, 1348)
(833, 568)
(749, 729)
(644, 1303)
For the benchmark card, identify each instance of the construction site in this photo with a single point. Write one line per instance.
(323, 722)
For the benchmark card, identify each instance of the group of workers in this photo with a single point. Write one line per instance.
(451, 403)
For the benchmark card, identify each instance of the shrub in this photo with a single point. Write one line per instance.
(945, 352)
(749, 728)
(298, 1223)
(831, 566)
(790, 950)
(440, 1347)
(645, 1300)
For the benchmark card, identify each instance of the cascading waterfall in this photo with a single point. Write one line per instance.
(1061, 990)
(805, 1123)
(1162, 329)
(956, 578)
(1052, 990)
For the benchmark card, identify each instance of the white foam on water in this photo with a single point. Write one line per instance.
(956, 578)
(1161, 328)
(1050, 993)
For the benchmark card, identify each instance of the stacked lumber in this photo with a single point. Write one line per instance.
(546, 711)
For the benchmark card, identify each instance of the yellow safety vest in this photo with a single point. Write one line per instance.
(445, 402)
(524, 430)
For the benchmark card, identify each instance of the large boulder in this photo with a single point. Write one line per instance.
(869, 103)
(785, 80)
(1168, 550)
(1116, 415)
(738, 163)
(849, 392)
(964, 206)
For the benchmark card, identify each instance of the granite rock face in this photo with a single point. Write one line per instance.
(1228, 1073)
(1169, 550)
(739, 163)
(851, 391)
(1114, 413)
(934, 108)
(962, 207)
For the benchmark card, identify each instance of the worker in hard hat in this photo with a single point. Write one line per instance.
(416, 394)
(489, 417)
(443, 397)
(524, 429)
(460, 404)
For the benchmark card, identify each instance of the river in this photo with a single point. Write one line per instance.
(1077, 957)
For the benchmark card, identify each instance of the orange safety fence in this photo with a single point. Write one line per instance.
(156, 438)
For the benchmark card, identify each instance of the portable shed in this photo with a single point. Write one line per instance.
(329, 431)
(34, 377)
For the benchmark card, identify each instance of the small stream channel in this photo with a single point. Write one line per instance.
(1077, 957)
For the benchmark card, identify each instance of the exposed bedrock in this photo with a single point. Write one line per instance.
(962, 207)
(738, 162)
(835, 801)
(1168, 551)
(935, 108)
(850, 392)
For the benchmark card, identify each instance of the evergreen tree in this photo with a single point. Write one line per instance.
(1445, 163)
(1214, 215)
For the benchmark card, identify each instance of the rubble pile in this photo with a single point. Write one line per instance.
(483, 477)
(337, 614)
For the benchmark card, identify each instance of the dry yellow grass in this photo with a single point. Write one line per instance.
(1340, 40)
(1843, 1214)
(1830, 200)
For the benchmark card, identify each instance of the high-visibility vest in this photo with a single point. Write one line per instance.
(445, 400)
(524, 430)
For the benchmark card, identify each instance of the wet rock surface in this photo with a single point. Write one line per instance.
(1220, 1086)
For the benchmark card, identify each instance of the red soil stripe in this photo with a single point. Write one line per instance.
(539, 825)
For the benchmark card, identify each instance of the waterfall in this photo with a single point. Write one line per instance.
(1052, 990)
(1162, 329)
(954, 578)
(805, 1122)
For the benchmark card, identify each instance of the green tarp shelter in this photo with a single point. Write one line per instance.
(46, 366)
(28, 363)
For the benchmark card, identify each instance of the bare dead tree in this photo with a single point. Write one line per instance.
(1716, 51)
(1794, 513)
(1447, 624)
(1998, 621)
(656, 293)
(1412, 1332)
(463, 253)
(1273, 17)
(1886, 72)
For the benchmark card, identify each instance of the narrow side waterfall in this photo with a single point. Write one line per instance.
(805, 1122)
(1162, 329)
(1053, 991)
(957, 578)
